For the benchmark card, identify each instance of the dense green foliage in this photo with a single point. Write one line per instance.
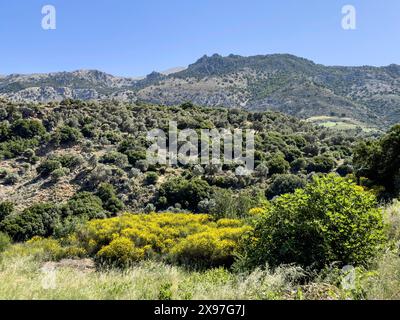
(71, 170)
(330, 220)
(285, 183)
(379, 161)
(6, 208)
(86, 144)
(38, 220)
(27, 129)
(48, 166)
(85, 205)
(107, 194)
(66, 135)
(187, 193)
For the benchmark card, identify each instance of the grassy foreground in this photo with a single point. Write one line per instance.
(28, 272)
(26, 277)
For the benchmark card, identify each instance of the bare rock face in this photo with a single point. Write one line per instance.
(284, 83)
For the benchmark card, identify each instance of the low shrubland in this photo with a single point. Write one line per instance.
(188, 239)
(291, 248)
(82, 145)
(74, 171)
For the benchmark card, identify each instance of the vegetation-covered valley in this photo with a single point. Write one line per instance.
(317, 219)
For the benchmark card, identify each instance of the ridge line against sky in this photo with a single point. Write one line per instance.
(182, 67)
(132, 38)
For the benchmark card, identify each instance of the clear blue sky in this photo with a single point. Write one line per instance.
(131, 37)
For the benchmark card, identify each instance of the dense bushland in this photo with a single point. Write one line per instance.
(85, 144)
(331, 220)
(379, 161)
(73, 172)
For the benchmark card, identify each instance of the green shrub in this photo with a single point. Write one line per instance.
(6, 208)
(47, 167)
(345, 169)
(57, 174)
(278, 165)
(11, 178)
(28, 129)
(379, 161)
(17, 147)
(89, 131)
(110, 200)
(142, 165)
(5, 131)
(70, 161)
(152, 178)
(135, 155)
(149, 208)
(298, 165)
(262, 170)
(234, 204)
(285, 183)
(67, 136)
(68, 225)
(322, 164)
(331, 220)
(37, 220)
(85, 205)
(187, 193)
(115, 158)
(30, 155)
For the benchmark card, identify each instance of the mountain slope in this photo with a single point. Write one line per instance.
(279, 82)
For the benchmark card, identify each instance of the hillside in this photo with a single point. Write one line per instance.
(78, 197)
(49, 152)
(284, 83)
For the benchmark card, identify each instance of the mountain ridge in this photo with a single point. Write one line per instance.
(280, 82)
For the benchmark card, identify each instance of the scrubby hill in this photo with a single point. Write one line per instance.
(49, 152)
(278, 82)
(79, 199)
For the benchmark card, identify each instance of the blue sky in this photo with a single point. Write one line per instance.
(131, 37)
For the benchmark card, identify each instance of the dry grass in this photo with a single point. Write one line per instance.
(23, 277)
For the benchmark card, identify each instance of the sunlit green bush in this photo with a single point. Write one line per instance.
(331, 220)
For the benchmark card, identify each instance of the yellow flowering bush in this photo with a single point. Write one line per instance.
(207, 249)
(50, 247)
(193, 239)
(120, 252)
(45, 249)
(223, 223)
(255, 212)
